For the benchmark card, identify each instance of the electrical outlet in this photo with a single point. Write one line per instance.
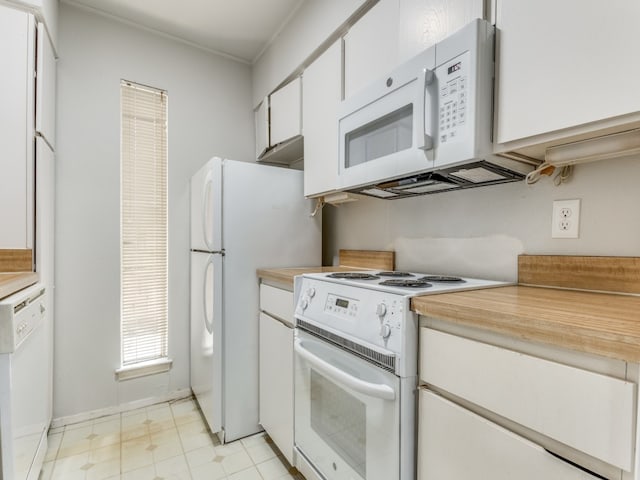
(565, 220)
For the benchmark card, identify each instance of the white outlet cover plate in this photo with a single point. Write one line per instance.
(565, 226)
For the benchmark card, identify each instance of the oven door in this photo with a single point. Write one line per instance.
(347, 413)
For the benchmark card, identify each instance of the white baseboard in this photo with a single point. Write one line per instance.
(125, 407)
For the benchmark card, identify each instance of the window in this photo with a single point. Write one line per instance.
(143, 228)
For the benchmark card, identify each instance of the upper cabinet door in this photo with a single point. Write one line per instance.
(16, 129)
(424, 23)
(48, 11)
(262, 127)
(565, 64)
(371, 46)
(286, 112)
(45, 88)
(321, 98)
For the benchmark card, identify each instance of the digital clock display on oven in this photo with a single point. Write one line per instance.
(340, 302)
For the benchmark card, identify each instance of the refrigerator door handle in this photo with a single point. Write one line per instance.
(206, 211)
(207, 286)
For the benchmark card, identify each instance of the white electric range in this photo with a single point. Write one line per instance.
(356, 360)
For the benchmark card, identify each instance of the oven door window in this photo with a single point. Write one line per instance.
(340, 419)
(347, 413)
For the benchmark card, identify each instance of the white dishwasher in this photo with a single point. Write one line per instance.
(25, 388)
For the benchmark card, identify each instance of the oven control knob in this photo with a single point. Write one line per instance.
(304, 303)
(381, 310)
(311, 292)
(385, 330)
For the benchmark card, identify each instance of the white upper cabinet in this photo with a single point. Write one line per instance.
(394, 31)
(320, 99)
(565, 64)
(262, 127)
(44, 10)
(286, 112)
(16, 129)
(371, 46)
(45, 88)
(424, 23)
(279, 125)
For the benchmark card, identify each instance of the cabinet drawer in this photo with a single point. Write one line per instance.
(590, 412)
(454, 443)
(277, 302)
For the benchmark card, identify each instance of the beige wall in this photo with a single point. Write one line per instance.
(209, 114)
(481, 231)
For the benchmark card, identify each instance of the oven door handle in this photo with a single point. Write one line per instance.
(376, 390)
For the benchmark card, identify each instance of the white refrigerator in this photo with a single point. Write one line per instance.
(244, 216)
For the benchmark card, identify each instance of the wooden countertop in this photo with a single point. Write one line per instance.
(285, 276)
(598, 323)
(12, 282)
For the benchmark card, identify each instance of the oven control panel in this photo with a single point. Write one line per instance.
(374, 317)
(341, 306)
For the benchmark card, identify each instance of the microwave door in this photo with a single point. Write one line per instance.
(382, 129)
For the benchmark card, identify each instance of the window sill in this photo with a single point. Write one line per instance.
(144, 369)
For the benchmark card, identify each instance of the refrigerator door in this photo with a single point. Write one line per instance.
(206, 335)
(206, 207)
(266, 223)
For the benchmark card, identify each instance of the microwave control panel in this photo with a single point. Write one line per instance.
(453, 98)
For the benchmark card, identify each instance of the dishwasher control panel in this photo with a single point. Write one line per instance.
(20, 314)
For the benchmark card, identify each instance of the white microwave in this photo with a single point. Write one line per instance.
(430, 114)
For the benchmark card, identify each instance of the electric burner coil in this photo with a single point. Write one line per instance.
(395, 274)
(353, 276)
(441, 278)
(405, 283)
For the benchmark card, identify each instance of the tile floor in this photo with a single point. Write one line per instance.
(168, 441)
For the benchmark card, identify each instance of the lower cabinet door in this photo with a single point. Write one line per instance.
(456, 444)
(587, 411)
(276, 383)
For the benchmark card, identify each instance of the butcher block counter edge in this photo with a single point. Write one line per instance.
(597, 323)
(12, 282)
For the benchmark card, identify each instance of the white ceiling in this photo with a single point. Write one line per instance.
(238, 28)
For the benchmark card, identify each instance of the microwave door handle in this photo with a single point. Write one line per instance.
(376, 390)
(429, 82)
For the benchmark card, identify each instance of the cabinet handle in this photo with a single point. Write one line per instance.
(575, 465)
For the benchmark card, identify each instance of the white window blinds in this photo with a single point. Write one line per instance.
(143, 223)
